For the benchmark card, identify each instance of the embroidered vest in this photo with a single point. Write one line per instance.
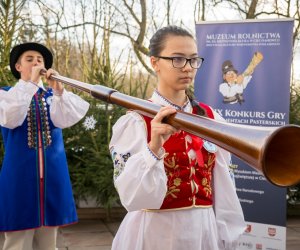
(34, 176)
(189, 172)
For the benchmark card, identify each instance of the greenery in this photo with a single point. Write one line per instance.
(5, 77)
(90, 164)
(295, 105)
(293, 194)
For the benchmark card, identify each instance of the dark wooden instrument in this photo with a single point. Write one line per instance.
(273, 151)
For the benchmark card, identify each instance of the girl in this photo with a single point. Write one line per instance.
(175, 186)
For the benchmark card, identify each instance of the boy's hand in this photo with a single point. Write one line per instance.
(58, 87)
(35, 73)
(239, 79)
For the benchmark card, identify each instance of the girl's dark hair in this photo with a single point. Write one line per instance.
(157, 43)
(158, 39)
(195, 104)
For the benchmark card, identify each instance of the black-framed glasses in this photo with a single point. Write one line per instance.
(180, 62)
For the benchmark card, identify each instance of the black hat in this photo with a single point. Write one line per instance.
(227, 66)
(18, 50)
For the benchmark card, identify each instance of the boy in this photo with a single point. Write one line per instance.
(35, 189)
(233, 86)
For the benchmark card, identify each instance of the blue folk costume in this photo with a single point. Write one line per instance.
(35, 188)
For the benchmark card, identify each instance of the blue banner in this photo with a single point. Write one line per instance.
(246, 79)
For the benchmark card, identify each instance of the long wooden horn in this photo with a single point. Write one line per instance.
(273, 151)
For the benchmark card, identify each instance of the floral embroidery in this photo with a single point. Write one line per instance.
(171, 162)
(210, 161)
(172, 190)
(207, 173)
(206, 186)
(177, 182)
(126, 156)
(119, 162)
(172, 171)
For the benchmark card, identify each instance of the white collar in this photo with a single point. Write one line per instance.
(161, 100)
(40, 84)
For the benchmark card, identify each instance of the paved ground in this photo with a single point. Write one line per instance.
(98, 235)
(293, 233)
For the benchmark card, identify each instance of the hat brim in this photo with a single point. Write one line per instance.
(18, 50)
(230, 69)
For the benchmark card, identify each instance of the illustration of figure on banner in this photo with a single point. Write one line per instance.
(234, 84)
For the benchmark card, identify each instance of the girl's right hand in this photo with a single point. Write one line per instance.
(160, 132)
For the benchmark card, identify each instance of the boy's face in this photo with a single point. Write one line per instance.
(28, 60)
(230, 77)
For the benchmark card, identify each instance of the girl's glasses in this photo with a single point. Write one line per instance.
(180, 62)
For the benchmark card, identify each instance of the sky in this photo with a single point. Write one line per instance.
(183, 13)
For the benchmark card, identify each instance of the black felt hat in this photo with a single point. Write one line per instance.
(18, 50)
(228, 66)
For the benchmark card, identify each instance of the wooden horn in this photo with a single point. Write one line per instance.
(273, 151)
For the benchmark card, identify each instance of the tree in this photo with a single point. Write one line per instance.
(199, 10)
(11, 24)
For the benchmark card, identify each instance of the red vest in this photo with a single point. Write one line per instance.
(189, 181)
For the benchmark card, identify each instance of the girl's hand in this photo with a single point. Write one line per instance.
(160, 132)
